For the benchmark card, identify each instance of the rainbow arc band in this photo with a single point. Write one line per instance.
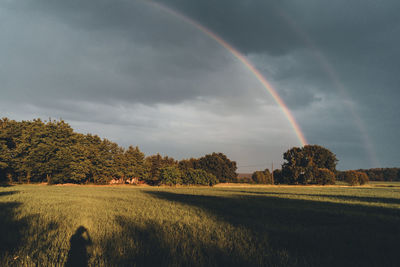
(245, 62)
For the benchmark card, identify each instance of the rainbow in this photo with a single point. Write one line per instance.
(329, 70)
(245, 62)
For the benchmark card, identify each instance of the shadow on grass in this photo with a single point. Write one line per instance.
(5, 185)
(150, 243)
(7, 193)
(341, 197)
(78, 255)
(10, 227)
(313, 233)
(15, 231)
(136, 245)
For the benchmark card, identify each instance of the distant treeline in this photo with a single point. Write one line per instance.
(382, 174)
(311, 164)
(50, 151)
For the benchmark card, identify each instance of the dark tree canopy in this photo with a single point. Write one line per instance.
(154, 164)
(170, 175)
(278, 177)
(321, 157)
(302, 165)
(50, 151)
(198, 177)
(355, 177)
(324, 176)
(219, 165)
(262, 177)
(382, 174)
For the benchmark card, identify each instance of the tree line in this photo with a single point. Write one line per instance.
(50, 151)
(382, 174)
(311, 164)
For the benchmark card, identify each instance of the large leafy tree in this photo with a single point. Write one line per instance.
(198, 177)
(219, 165)
(302, 165)
(262, 177)
(187, 164)
(355, 177)
(170, 175)
(321, 157)
(10, 133)
(5, 149)
(133, 163)
(44, 150)
(154, 164)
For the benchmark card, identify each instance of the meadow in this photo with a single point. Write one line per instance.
(200, 226)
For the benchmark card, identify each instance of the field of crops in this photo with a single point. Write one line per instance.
(199, 226)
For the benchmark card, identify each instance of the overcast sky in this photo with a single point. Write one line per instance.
(134, 73)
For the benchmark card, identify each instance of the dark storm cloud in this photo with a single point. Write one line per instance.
(359, 39)
(277, 27)
(251, 26)
(109, 51)
(105, 58)
(120, 18)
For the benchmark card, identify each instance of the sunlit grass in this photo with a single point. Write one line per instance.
(384, 184)
(199, 226)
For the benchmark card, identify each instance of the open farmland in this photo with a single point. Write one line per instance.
(198, 226)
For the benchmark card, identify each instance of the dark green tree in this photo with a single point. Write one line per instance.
(302, 165)
(278, 177)
(198, 177)
(324, 176)
(320, 157)
(262, 177)
(355, 177)
(219, 165)
(134, 163)
(170, 175)
(390, 174)
(154, 164)
(50, 151)
(186, 164)
(258, 177)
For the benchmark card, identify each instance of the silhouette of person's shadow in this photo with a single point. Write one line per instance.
(77, 255)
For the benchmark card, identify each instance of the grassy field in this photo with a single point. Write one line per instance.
(195, 226)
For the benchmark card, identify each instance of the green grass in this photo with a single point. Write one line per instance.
(195, 226)
(385, 184)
